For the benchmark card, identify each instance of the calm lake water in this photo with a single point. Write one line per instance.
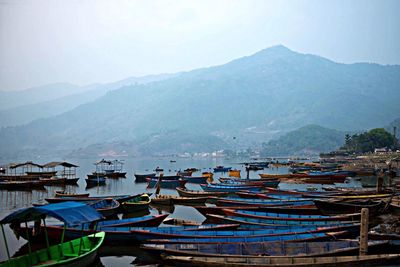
(121, 256)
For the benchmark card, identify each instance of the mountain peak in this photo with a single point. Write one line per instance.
(276, 49)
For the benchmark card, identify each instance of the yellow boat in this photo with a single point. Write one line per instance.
(234, 173)
(209, 176)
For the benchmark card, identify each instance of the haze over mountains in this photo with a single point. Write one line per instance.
(253, 99)
(21, 107)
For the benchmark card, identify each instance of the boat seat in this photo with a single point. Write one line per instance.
(85, 249)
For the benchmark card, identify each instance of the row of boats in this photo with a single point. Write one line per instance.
(246, 222)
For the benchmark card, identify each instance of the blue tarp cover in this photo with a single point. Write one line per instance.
(72, 213)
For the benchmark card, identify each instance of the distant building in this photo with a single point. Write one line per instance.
(382, 150)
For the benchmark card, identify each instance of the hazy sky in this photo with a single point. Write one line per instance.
(87, 41)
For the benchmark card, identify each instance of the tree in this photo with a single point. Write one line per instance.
(368, 141)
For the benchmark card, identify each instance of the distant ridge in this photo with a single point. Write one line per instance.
(254, 99)
(21, 107)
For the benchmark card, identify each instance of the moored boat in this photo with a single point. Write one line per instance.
(331, 207)
(107, 206)
(66, 194)
(141, 178)
(166, 183)
(78, 252)
(172, 200)
(138, 203)
(222, 169)
(183, 192)
(229, 188)
(234, 173)
(267, 261)
(291, 217)
(287, 249)
(95, 181)
(245, 239)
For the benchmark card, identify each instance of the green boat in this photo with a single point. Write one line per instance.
(138, 203)
(78, 252)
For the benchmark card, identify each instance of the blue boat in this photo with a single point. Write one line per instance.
(281, 216)
(260, 248)
(212, 218)
(246, 239)
(264, 202)
(150, 220)
(166, 183)
(107, 207)
(227, 188)
(265, 182)
(222, 169)
(142, 235)
(115, 235)
(196, 179)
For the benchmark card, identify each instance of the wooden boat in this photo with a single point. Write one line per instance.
(138, 203)
(119, 198)
(245, 239)
(234, 173)
(180, 222)
(329, 207)
(65, 194)
(267, 261)
(145, 221)
(107, 206)
(71, 181)
(43, 174)
(172, 200)
(252, 167)
(261, 202)
(184, 173)
(168, 177)
(95, 175)
(158, 169)
(166, 183)
(115, 174)
(95, 181)
(128, 235)
(291, 217)
(22, 185)
(78, 252)
(141, 178)
(229, 188)
(255, 195)
(191, 170)
(195, 179)
(279, 176)
(243, 182)
(287, 249)
(222, 169)
(183, 192)
(302, 209)
(211, 218)
(210, 234)
(59, 181)
(53, 181)
(209, 175)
